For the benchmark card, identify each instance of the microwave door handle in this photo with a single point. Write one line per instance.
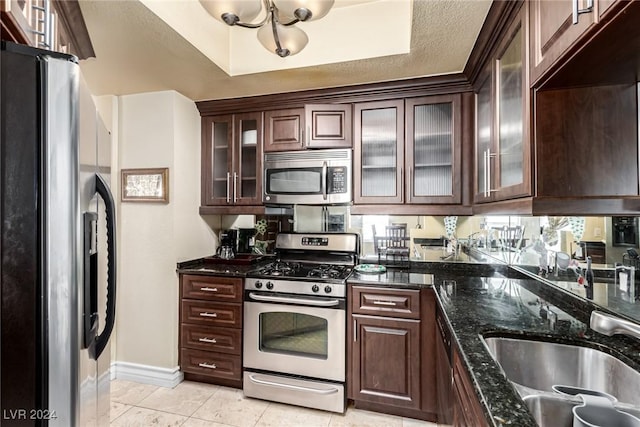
(324, 180)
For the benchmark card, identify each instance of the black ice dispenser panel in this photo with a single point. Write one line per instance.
(625, 231)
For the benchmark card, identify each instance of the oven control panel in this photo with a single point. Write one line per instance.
(296, 287)
(315, 241)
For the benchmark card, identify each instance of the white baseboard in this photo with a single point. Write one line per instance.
(145, 374)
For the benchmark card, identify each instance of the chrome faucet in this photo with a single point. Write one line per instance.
(611, 325)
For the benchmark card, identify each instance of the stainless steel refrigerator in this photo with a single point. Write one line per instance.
(57, 309)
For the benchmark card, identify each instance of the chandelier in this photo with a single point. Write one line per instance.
(276, 31)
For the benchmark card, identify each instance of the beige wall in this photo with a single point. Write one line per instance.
(157, 130)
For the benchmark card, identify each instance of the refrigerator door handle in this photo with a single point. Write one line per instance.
(90, 283)
(103, 191)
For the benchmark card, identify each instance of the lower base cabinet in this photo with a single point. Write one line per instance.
(211, 329)
(467, 410)
(386, 361)
(391, 360)
(444, 372)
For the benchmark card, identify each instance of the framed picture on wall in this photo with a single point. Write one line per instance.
(145, 185)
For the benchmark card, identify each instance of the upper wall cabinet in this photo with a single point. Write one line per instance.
(379, 152)
(557, 27)
(434, 146)
(314, 126)
(503, 159)
(18, 21)
(284, 129)
(408, 151)
(232, 160)
(53, 25)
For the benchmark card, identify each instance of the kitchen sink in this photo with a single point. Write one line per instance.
(535, 366)
(555, 410)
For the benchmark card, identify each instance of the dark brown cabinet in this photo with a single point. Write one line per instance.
(543, 146)
(314, 126)
(386, 361)
(503, 149)
(211, 329)
(328, 126)
(423, 166)
(444, 372)
(284, 129)
(586, 144)
(458, 403)
(232, 160)
(379, 152)
(560, 27)
(467, 410)
(555, 26)
(48, 24)
(391, 365)
(434, 149)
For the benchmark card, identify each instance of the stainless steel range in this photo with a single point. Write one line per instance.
(295, 321)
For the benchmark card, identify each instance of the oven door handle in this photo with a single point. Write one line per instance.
(290, 300)
(293, 387)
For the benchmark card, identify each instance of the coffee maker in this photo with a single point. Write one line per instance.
(227, 247)
(246, 240)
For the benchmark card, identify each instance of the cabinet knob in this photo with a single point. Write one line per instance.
(208, 289)
(208, 340)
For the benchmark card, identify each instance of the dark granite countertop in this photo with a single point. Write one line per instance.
(201, 266)
(393, 278)
(499, 301)
(490, 300)
(510, 307)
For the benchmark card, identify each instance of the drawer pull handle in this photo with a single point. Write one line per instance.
(208, 289)
(211, 340)
(207, 314)
(378, 302)
(208, 366)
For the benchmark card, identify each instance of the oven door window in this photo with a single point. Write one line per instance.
(294, 181)
(294, 334)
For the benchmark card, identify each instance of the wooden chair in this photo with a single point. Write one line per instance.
(394, 246)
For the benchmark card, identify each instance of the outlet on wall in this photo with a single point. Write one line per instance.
(597, 232)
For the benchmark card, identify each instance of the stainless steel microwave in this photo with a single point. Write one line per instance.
(308, 177)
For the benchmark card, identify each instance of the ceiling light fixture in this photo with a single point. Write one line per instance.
(276, 31)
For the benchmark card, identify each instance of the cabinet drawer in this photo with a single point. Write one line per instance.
(223, 340)
(227, 289)
(212, 313)
(209, 363)
(386, 302)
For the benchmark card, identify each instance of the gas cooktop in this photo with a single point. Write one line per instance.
(302, 271)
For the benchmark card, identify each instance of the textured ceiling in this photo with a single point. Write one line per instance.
(138, 52)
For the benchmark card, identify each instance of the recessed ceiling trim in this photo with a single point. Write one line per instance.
(353, 30)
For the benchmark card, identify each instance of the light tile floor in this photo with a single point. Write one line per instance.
(191, 404)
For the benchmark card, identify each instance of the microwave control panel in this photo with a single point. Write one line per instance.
(337, 180)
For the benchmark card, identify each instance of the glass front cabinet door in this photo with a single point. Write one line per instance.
(232, 160)
(379, 152)
(433, 149)
(503, 158)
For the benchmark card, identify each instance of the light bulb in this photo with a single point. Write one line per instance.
(292, 39)
(232, 11)
(304, 10)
